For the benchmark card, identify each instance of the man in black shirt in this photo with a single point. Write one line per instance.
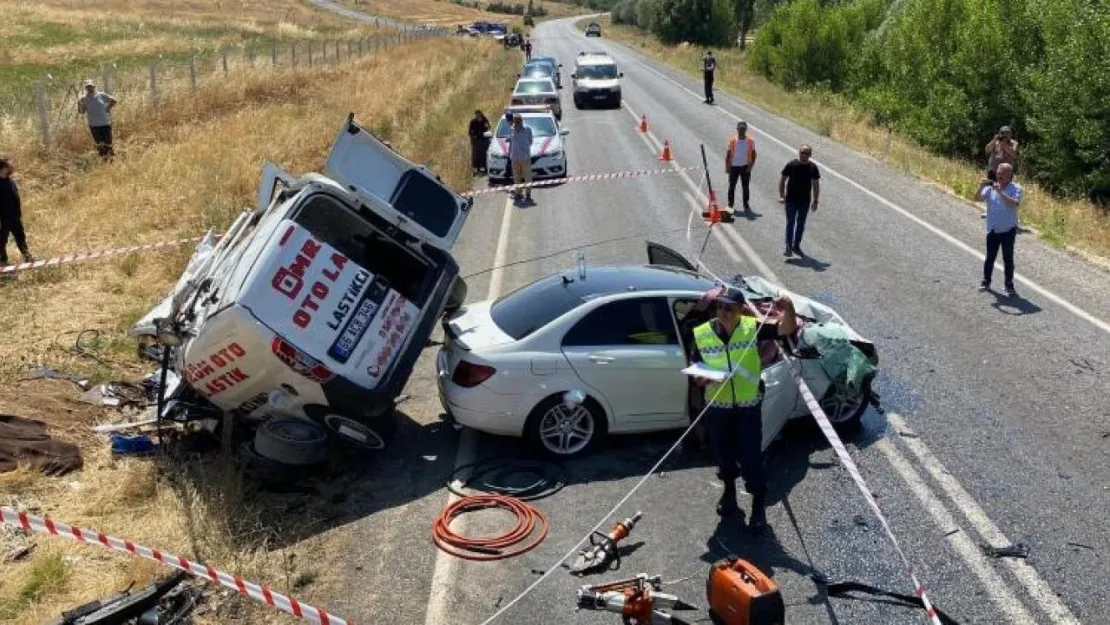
(11, 215)
(799, 189)
(709, 65)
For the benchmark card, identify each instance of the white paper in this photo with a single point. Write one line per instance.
(699, 370)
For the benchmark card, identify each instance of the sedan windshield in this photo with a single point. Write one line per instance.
(539, 70)
(534, 87)
(531, 307)
(541, 127)
(597, 72)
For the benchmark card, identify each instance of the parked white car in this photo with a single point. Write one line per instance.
(540, 91)
(620, 336)
(549, 153)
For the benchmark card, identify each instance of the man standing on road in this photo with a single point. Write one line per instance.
(97, 107)
(1002, 198)
(730, 343)
(11, 215)
(739, 161)
(799, 183)
(709, 65)
(527, 49)
(520, 155)
(1001, 149)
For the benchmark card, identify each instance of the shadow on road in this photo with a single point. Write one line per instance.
(808, 262)
(1015, 306)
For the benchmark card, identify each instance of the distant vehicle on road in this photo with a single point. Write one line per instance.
(549, 154)
(596, 79)
(529, 20)
(593, 30)
(620, 335)
(555, 66)
(540, 69)
(538, 91)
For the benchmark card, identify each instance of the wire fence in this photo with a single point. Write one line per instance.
(51, 107)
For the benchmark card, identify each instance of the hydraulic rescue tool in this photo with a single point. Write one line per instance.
(603, 550)
(740, 594)
(637, 600)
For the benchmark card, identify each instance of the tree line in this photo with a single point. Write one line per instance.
(947, 73)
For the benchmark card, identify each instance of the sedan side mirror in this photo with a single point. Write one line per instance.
(565, 131)
(620, 75)
(487, 134)
(573, 77)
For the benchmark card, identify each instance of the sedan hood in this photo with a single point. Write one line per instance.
(803, 305)
(541, 146)
(472, 328)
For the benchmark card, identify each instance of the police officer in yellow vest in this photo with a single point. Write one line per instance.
(730, 342)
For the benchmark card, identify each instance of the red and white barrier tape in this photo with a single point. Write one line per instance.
(613, 175)
(846, 459)
(73, 258)
(44, 525)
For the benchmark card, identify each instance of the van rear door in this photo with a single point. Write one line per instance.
(416, 200)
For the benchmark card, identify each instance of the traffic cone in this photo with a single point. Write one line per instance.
(643, 123)
(666, 155)
(713, 212)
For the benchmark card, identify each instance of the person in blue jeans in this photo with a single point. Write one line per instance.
(1002, 197)
(799, 189)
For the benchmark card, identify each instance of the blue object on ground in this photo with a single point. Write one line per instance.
(140, 444)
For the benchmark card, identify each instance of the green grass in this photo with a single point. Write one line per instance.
(47, 575)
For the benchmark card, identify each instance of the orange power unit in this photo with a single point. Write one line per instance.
(740, 594)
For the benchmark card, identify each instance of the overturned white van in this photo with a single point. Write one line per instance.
(325, 294)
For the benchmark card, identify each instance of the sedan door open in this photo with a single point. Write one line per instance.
(628, 350)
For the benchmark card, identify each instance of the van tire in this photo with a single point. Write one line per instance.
(367, 434)
(457, 296)
(292, 441)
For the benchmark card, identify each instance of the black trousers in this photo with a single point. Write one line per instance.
(995, 240)
(478, 149)
(102, 136)
(736, 436)
(709, 86)
(12, 224)
(744, 175)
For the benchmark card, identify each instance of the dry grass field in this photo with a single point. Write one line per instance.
(448, 12)
(191, 164)
(1075, 223)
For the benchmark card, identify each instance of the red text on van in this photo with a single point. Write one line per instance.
(290, 281)
(195, 372)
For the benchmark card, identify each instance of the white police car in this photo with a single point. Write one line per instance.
(549, 156)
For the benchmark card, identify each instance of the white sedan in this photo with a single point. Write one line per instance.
(619, 336)
(548, 151)
(541, 91)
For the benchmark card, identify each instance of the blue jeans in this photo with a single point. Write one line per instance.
(736, 437)
(796, 213)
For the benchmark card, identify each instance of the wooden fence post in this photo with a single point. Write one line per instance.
(43, 117)
(273, 53)
(310, 54)
(293, 54)
(223, 56)
(193, 71)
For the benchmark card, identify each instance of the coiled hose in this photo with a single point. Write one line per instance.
(529, 531)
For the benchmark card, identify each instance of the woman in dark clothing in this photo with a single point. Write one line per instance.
(479, 126)
(11, 221)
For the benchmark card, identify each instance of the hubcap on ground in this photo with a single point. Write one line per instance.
(566, 430)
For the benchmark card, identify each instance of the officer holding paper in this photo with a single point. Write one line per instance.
(730, 342)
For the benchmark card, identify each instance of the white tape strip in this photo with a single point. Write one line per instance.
(614, 175)
(45, 525)
(82, 256)
(846, 459)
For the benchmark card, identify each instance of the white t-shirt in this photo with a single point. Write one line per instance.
(740, 154)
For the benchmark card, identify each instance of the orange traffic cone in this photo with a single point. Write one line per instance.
(666, 155)
(643, 123)
(713, 212)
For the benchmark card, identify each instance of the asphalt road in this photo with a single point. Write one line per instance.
(998, 424)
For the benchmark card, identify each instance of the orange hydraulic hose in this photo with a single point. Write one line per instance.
(513, 543)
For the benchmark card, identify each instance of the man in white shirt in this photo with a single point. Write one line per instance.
(739, 161)
(520, 155)
(1002, 197)
(97, 107)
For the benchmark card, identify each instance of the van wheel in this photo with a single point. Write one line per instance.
(457, 297)
(370, 434)
(292, 441)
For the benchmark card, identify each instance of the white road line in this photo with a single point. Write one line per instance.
(445, 565)
(1039, 591)
(1072, 308)
(994, 585)
(1005, 600)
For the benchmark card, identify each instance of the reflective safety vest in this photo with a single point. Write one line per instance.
(732, 150)
(741, 356)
